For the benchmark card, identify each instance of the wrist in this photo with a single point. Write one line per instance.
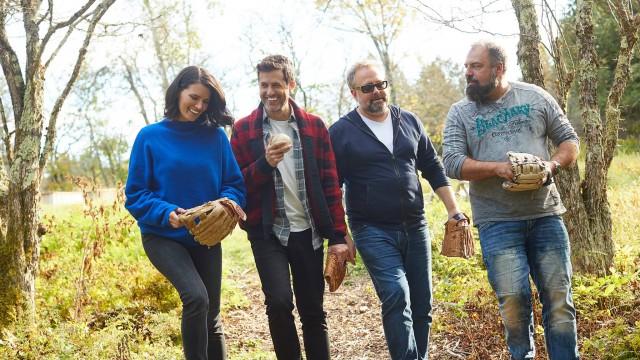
(458, 216)
(556, 166)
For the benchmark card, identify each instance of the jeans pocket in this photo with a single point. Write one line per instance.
(357, 227)
(485, 225)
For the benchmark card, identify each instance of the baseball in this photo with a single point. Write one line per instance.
(280, 138)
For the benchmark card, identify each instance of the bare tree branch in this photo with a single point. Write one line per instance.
(560, 32)
(48, 13)
(134, 88)
(51, 130)
(12, 70)
(3, 199)
(157, 43)
(6, 136)
(29, 9)
(434, 16)
(70, 29)
(628, 39)
(52, 30)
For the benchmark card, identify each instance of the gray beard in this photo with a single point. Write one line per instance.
(375, 108)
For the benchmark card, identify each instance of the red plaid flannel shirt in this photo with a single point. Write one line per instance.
(323, 191)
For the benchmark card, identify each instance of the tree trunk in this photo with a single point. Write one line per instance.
(593, 248)
(528, 51)
(20, 248)
(588, 219)
(388, 69)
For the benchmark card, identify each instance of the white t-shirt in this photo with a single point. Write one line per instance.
(287, 167)
(383, 130)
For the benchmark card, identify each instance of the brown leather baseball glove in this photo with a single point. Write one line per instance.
(529, 172)
(458, 239)
(211, 222)
(335, 270)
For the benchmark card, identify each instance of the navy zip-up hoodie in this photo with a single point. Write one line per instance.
(383, 187)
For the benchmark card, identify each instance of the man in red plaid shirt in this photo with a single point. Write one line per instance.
(293, 203)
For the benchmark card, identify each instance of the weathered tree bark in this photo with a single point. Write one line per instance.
(20, 250)
(528, 45)
(20, 247)
(629, 33)
(593, 252)
(567, 182)
(588, 218)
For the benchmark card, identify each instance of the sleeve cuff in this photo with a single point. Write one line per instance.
(264, 166)
(337, 239)
(165, 218)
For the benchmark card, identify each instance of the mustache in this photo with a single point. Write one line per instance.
(471, 79)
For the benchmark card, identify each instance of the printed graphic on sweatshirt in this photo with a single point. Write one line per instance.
(509, 120)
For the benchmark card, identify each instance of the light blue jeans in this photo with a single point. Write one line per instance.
(515, 250)
(399, 263)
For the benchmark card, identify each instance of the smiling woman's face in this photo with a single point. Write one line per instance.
(193, 101)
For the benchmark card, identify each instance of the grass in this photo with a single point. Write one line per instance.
(99, 297)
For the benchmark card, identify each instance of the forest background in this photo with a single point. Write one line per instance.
(81, 78)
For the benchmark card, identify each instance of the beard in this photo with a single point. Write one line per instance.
(377, 107)
(276, 106)
(480, 93)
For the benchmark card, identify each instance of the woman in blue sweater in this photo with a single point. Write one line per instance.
(178, 163)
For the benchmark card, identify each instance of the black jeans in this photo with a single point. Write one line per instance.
(273, 261)
(196, 273)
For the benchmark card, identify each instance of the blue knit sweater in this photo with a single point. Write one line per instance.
(179, 164)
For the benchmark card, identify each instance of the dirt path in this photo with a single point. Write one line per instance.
(355, 327)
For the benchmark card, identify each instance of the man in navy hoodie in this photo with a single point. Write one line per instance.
(379, 149)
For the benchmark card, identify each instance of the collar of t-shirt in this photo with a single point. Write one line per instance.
(292, 118)
(383, 130)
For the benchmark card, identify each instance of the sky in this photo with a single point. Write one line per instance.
(236, 34)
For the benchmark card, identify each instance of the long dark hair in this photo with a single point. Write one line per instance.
(216, 114)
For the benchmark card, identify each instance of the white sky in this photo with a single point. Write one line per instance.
(324, 50)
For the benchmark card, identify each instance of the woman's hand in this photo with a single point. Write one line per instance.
(174, 220)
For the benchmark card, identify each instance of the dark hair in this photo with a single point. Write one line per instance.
(216, 114)
(277, 62)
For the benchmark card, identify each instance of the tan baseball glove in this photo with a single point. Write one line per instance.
(529, 172)
(458, 239)
(211, 222)
(335, 270)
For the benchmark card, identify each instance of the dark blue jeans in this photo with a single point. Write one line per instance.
(399, 263)
(273, 262)
(515, 250)
(196, 273)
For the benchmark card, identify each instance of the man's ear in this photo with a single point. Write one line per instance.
(500, 69)
(292, 84)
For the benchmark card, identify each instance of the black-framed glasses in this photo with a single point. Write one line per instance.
(367, 88)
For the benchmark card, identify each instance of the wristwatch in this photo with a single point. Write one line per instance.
(458, 217)
(556, 166)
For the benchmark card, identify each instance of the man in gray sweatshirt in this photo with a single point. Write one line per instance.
(521, 233)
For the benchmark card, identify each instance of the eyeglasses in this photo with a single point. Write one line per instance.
(367, 88)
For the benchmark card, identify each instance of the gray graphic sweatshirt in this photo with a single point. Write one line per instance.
(521, 120)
